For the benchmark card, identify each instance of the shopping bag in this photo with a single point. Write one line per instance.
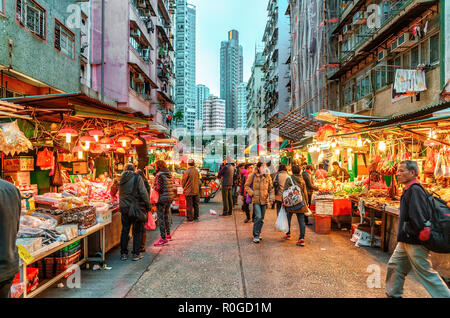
(154, 198)
(151, 224)
(248, 199)
(282, 221)
(309, 213)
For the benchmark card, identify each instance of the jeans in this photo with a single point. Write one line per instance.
(138, 231)
(163, 217)
(260, 212)
(227, 198)
(415, 257)
(5, 288)
(301, 224)
(192, 207)
(234, 194)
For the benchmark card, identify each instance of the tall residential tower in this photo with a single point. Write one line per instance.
(231, 75)
(186, 90)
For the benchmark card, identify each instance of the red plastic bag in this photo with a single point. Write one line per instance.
(154, 197)
(430, 163)
(150, 225)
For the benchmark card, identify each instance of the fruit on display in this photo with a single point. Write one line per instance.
(13, 140)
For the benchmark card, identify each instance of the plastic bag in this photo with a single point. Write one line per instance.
(150, 225)
(282, 221)
(154, 197)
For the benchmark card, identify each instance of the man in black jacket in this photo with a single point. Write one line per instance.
(226, 174)
(412, 231)
(127, 196)
(10, 207)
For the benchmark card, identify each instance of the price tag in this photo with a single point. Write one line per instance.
(25, 255)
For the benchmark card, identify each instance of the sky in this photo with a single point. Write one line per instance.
(214, 19)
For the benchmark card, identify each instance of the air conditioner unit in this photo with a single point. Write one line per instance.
(360, 17)
(348, 29)
(135, 33)
(353, 108)
(403, 42)
(363, 104)
(382, 55)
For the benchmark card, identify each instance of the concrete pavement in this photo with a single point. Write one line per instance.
(216, 258)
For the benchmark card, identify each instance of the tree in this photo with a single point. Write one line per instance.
(178, 116)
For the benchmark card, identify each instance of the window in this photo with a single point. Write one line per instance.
(415, 57)
(2, 3)
(434, 49)
(424, 58)
(64, 40)
(31, 16)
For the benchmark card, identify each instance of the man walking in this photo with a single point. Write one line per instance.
(10, 207)
(226, 174)
(132, 188)
(410, 253)
(191, 187)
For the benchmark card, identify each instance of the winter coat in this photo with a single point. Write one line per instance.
(413, 207)
(226, 174)
(307, 177)
(191, 182)
(260, 188)
(298, 180)
(10, 208)
(126, 195)
(164, 186)
(244, 176)
(341, 175)
(281, 178)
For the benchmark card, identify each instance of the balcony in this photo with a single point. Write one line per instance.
(164, 32)
(346, 12)
(164, 6)
(396, 17)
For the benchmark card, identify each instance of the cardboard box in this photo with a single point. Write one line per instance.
(80, 168)
(19, 178)
(22, 164)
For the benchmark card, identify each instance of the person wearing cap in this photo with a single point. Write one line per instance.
(191, 189)
(226, 174)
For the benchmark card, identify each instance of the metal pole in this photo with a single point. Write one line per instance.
(103, 51)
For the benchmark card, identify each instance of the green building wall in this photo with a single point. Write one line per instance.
(37, 58)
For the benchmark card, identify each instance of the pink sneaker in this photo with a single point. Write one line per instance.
(169, 237)
(161, 242)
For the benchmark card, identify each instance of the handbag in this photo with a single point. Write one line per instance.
(136, 213)
(154, 198)
(292, 197)
(151, 224)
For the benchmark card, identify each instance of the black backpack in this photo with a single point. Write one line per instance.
(439, 219)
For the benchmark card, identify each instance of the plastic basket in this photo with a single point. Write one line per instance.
(323, 224)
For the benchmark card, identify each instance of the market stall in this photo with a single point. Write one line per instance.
(67, 166)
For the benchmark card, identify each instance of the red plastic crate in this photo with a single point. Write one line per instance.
(323, 224)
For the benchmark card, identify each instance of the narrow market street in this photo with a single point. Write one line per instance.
(216, 258)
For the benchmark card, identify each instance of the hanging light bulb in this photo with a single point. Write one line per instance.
(87, 140)
(360, 142)
(68, 133)
(124, 140)
(337, 152)
(79, 150)
(334, 143)
(96, 134)
(382, 146)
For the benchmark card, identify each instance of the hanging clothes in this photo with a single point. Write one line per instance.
(45, 159)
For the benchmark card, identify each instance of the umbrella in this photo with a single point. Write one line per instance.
(254, 148)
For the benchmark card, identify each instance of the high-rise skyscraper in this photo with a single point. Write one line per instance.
(242, 106)
(185, 47)
(231, 75)
(202, 95)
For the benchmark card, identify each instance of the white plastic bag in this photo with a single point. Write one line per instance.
(282, 221)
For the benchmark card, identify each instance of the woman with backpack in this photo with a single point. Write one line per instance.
(260, 188)
(164, 187)
(297, 180)
(278, 185)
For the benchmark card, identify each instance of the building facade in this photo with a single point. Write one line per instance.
(37, 43)
(255, 92)
(361, 56)
(203, 93)
(186, 91)
(213, 114)
(242, 106)
(276, 67)
(231, 75)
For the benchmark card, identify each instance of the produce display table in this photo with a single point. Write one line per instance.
(55, 247)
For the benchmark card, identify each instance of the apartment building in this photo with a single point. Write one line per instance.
(276, 68)
(203, 93)
(242, 106)
(186, 89)
(255, 92)
(37, 43)
(213, 114)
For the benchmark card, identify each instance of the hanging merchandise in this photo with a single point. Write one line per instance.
(45, 159)
(13, 140)
(430, 162)
(325, 132)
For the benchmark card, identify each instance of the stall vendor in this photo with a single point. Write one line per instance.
(376, 181)
(321, 173)
(339, 173)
